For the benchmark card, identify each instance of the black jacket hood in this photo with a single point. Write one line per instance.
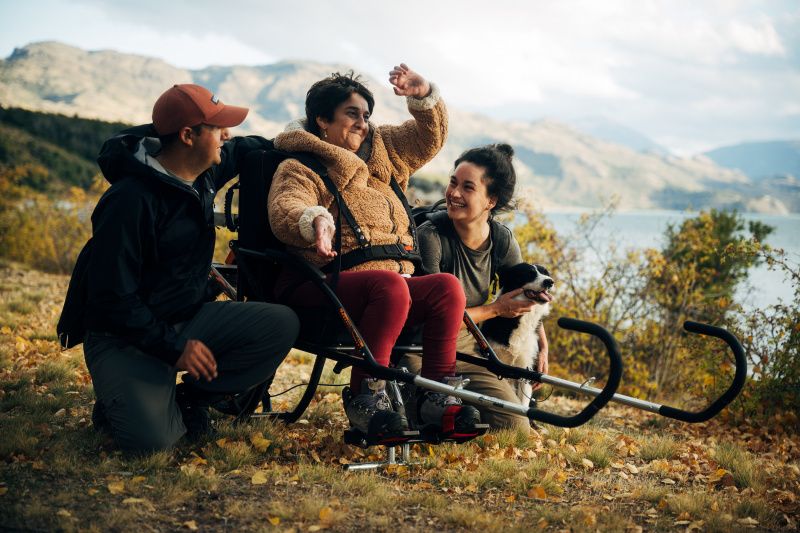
(117, 158)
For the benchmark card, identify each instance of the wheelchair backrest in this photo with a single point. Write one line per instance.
(257, 278)
(255, 179)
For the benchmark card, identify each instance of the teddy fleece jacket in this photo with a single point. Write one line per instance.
(298, 195)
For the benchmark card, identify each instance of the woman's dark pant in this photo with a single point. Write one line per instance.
(249, 340)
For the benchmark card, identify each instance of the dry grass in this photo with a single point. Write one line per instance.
(658, 446)
(745, 469)
(621, 472)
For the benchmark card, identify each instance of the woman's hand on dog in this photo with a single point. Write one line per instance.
(507, 307)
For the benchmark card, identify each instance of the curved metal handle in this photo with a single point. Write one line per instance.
(738, 378)
(614, 376)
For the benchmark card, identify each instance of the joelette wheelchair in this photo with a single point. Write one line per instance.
(328, 333)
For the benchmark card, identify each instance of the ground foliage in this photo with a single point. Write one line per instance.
(625, 471)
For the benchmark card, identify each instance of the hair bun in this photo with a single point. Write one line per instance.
(505, 149)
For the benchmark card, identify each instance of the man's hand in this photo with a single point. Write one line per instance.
(507, 307)
(408, 83)
(324, 232)
(197, 360)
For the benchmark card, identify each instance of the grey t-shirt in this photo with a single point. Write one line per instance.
(471, 267)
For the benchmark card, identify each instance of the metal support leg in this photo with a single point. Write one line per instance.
(391, 459)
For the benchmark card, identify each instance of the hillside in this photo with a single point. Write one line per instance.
(611, 131)
(40, 165)
(760, 159)
(51, 151)
(558, 166)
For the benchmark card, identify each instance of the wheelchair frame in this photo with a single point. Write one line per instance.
(358, 354)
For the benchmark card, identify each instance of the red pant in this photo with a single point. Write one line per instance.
(382, 302)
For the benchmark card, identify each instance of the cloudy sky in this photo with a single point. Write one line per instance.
(690, 75)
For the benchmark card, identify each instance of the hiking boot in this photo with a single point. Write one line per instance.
(371, 411)
(194, 410)
(99, 418)
(445, 411)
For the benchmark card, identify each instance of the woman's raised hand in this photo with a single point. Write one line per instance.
(408, 83)
(324, 232)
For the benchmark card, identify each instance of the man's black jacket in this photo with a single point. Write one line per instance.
(146, 266)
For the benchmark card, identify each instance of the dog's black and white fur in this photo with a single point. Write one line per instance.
(516, 340)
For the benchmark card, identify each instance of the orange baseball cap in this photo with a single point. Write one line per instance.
(190, 105)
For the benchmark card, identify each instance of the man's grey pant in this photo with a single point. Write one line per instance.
(248, 339)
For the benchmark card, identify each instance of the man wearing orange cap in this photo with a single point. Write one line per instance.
(140, 288)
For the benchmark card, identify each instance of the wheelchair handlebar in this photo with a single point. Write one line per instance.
(738, 379)
(607, 393)
(512, 372)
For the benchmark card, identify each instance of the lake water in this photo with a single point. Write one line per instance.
(645, 229)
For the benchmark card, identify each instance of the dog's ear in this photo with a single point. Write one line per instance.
(542, 270)
(509, 276)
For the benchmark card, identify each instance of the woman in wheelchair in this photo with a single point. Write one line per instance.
(466, 241)
(368, 168)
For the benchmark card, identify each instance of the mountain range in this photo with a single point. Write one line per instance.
(760, 160)
(559, 166)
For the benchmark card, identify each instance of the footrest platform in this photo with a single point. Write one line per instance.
(358, 438)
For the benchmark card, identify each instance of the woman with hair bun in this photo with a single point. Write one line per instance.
(482, 184)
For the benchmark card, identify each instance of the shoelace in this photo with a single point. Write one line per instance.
(442, 400)
(382, 401)
(378, 400)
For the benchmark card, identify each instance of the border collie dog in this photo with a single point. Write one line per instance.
(516, 340)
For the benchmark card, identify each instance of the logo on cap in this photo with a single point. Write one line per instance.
(214, 99)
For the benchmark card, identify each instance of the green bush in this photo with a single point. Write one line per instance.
(771, 339)
(43, 233)
(643, 298)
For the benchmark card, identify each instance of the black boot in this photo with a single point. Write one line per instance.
(99, 418)
(194, 404)
(371, 411)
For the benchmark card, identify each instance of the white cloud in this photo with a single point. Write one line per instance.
(791, 109)
(758, 39)
(197, 51)
(92, 27)
(668, 68)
